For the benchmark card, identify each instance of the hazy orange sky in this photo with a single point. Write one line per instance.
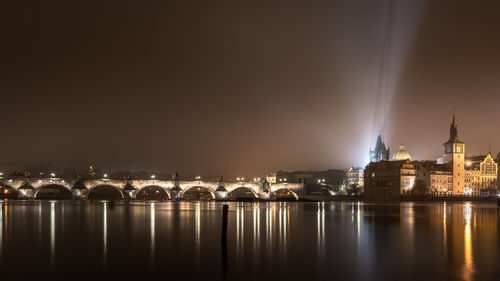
(242, 87)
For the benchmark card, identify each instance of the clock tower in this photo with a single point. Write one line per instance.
(454, 157)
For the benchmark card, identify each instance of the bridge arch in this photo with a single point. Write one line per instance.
(198, 193)
(284, 194)
(152, 192)
(8, 192)
(53, 191)
(105, 192)
(242, 193)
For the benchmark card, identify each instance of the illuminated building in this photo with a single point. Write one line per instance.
(355, 177)
(454, 156)
(489, 171)
(453, 174)
(271, 178)
(380, 153)
(441, 182)
(389, 179)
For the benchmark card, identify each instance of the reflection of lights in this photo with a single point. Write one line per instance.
(468, 269)
(1, 228)
(152, 229)
(105, 232)
(321, 228)
(240, 228)
(197, 227)
(52, 233)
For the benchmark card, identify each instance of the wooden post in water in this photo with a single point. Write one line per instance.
(223, 234)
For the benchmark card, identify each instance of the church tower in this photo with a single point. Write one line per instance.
(454, 156)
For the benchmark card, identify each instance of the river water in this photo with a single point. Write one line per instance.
(266, 241)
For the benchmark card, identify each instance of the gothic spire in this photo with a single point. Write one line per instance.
(453, 132)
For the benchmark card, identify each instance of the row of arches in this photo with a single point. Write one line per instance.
(153, 192)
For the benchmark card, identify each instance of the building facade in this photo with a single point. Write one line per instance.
(355, 177)
(389, 179)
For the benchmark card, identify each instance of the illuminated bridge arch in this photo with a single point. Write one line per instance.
(105, 192)
(198, 193)
(53, 191)
(242, 193)
(8, 192)
(153, 192)
(284, 194)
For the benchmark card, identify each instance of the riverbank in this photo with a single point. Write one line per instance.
(403, 198)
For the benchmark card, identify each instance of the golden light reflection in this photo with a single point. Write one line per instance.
(468, 269)
(1, 229)
(445, 242)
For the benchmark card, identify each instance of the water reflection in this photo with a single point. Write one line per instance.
(256, 229)
(240, 229)
(453, 241)
(269, 228)
(1, 231)
(468, 269)
(52, 234)
(320, 221)
(445, 237)
(152, 229)
(197, 227)
(104, 234)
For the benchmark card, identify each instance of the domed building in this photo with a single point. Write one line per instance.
(402, 154)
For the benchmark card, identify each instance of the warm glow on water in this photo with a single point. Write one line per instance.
(266, 241)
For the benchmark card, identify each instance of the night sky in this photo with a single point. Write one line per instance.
(243, 87)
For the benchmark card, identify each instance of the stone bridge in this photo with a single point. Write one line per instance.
(58, 188)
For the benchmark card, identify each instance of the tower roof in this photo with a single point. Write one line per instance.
(453, 132)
